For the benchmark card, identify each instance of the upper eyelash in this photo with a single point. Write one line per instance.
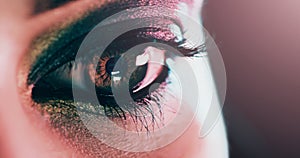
(50, 61)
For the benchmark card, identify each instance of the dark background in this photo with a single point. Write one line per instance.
(260, 44)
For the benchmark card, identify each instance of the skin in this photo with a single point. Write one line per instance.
(23, 134)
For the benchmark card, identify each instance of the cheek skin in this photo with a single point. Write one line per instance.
(16, 129)
(187, 145)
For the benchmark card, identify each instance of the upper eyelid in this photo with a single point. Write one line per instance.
(46, 62)
(61, 17)
(57, 30)
(70, 33)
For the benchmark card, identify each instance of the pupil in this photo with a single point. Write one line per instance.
(110, 64)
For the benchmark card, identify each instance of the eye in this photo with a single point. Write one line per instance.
(147, 83)
(100, 72)
(57, 74)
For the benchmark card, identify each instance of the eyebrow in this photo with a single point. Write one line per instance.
(46, 5)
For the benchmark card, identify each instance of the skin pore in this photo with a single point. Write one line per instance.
(24, 34)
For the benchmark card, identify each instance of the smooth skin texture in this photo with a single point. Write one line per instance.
(24, 136)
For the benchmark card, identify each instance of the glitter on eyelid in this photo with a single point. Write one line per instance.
(166, 35)
(43, 41)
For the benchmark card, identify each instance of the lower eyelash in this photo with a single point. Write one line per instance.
(142, 109)
(149, 103)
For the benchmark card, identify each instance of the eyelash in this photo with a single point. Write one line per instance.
(146, 103)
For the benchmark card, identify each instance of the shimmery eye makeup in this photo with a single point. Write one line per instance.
(56, 83)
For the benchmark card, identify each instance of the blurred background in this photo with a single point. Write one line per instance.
(260, 44)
